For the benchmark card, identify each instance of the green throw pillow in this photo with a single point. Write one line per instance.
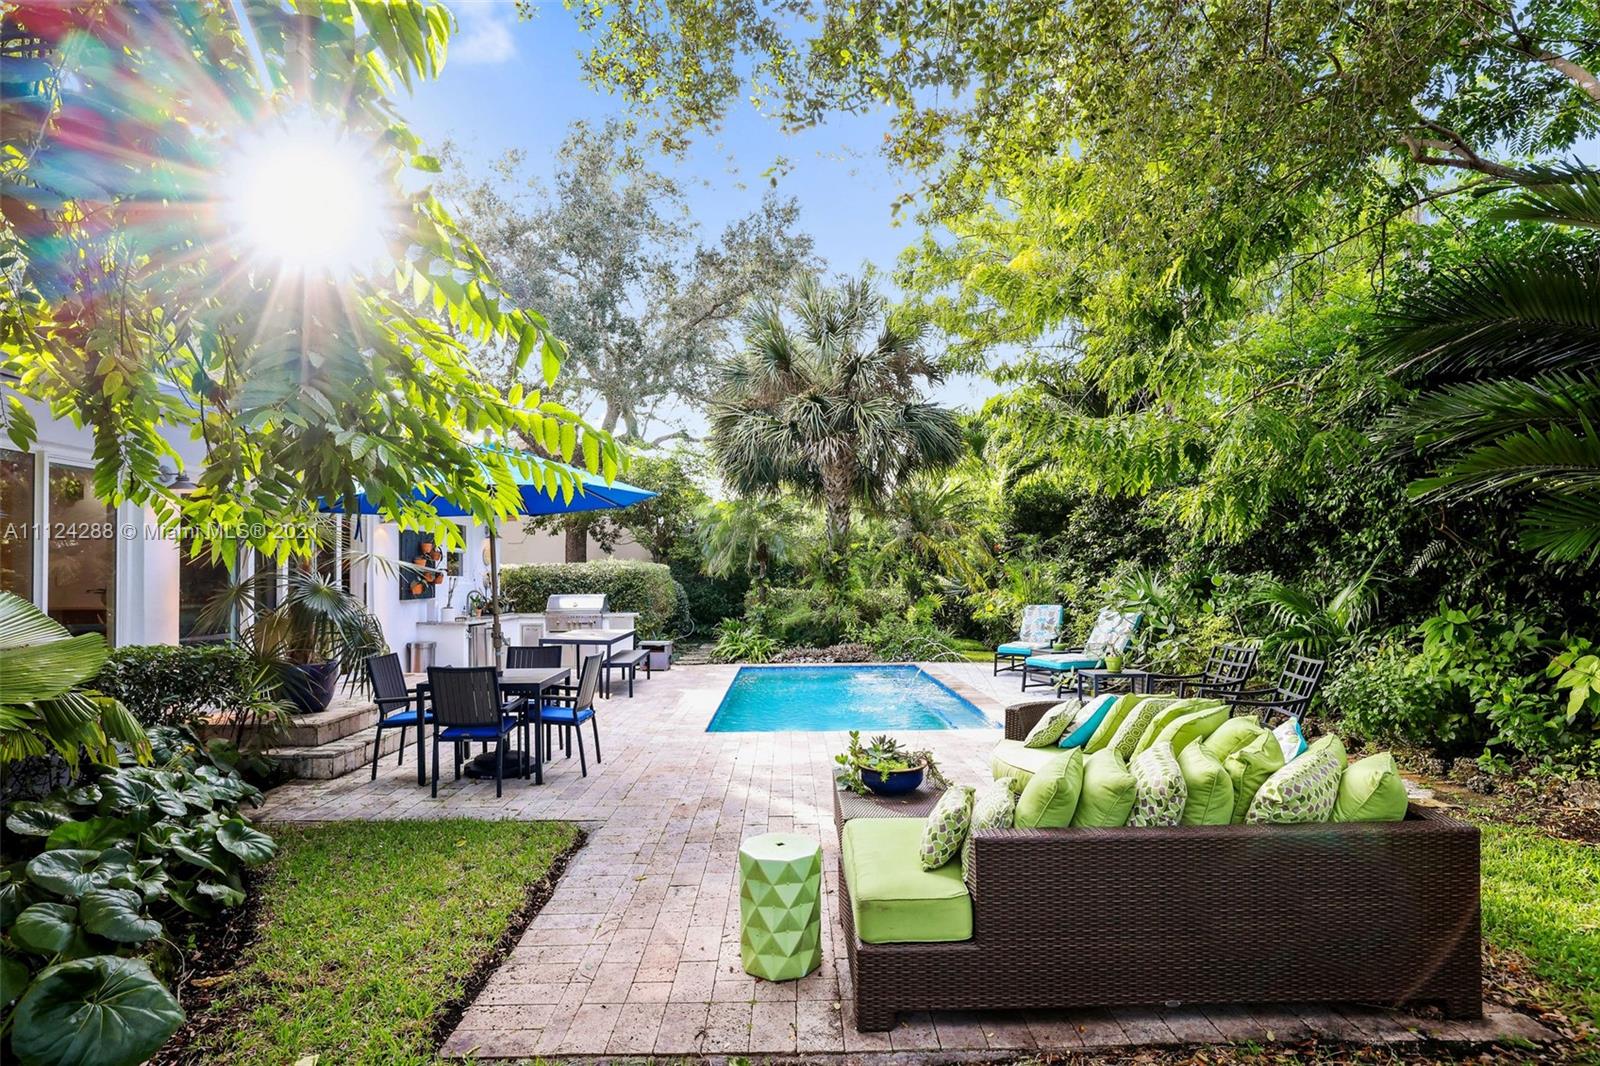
(1198, 724)
(1371, 791)
(1108, 792)
(1048, 729)
(946, 828)
(1133, 725)
(994, 808)
(1159, 789)
(1113, 719)
(1304, 790)
(1051, 794)
(1233, 734)
(1210, 789)
(1172, 712)
(1249, 767)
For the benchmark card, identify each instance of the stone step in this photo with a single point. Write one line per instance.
(345, 717)
(323, 762)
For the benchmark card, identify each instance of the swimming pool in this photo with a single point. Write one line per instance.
(873, 699)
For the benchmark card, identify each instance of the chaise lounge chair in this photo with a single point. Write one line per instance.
(1113, 632)
(1041, 625)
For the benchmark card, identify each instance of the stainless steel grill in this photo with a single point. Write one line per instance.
(565, 611)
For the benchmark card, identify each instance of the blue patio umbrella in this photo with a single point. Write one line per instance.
(596, 496)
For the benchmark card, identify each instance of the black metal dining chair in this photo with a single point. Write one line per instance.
(533, 656)
(468, 705)
(1290, 696)
(1225, 673)
(570, 712)
(396, 707)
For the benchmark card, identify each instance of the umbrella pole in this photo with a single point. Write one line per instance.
(497, 637)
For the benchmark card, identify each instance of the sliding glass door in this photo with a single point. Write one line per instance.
(81, 575)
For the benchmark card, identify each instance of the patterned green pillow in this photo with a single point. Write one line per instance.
(1209, 788)
(1158, 786)
(1108, 792)
(994, 808)
(1134, 722)
(1250, 767)
(946, 828)
(1232, 735)
(1054, 722)
(1303, 791)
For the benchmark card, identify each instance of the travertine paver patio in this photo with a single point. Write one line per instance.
(637, 951)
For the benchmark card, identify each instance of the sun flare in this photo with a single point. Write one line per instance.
(307, 198)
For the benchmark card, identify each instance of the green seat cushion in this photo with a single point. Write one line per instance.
(1087, 721)
(1011, 758)
(1371, 791)
(1112, 721)
(1048, 729)
(1304, 790)
(945, 828)
(994, 807)
(1108, 792)
(1169, 714)
(892, 898)
(1051, 794)
(1197, 724)
(1160, 791)
(1210, 789)
(1232, 735)
(1134, 723)
(1250, 767)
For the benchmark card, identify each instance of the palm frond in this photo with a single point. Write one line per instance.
(1565, 529)
(1571, 198)
(1474, 412)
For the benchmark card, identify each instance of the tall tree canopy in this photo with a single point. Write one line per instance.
(132, 302)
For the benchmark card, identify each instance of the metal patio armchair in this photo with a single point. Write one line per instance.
(1227, 669)
(389, 691)
(467, 706)
(1290, 697)
(570, 712)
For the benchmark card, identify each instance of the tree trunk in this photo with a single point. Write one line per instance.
(836, 486)
(578, 540)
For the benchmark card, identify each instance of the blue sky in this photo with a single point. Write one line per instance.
(511, 83)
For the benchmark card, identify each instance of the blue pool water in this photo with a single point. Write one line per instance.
(764, 699)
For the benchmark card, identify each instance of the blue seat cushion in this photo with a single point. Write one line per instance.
(564, 715)
(478, 732)
(1016, 649)
(406, 718)
(1060, 662)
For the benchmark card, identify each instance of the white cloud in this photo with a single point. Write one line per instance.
(485, 33)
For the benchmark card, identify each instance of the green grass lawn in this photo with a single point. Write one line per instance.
(1541, 899)
(368, 930)
(975, 651)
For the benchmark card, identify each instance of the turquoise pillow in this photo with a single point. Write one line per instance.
(1291, 741)
(1090, 718)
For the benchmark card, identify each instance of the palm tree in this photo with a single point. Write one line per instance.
(1516, 339)
(824, 400)
(747, 536)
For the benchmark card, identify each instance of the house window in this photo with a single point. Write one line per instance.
(199, 582)
(80, 590)
(16, 523)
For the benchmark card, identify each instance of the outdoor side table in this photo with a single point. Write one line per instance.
(1138, 680)
(780, 906)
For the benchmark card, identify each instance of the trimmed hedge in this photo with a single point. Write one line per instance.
(630, 585)
(164, 684)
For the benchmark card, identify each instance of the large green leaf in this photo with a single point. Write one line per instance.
(91, 834)
(103, 1010)
(117, 914)
(45, 671)
(13, 979)
(141, 792)
(250, 845)
(35, 819)
(45, 928)
(23, 625)
(71, 872)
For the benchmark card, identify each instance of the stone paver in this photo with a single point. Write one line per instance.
(637, 950)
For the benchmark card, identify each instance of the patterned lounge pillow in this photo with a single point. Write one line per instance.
(1290, 740)
(1250, 767)
(1233, 734)
(1305, 790)
(994, 808)
(1133, 725)
(1087, 721)
(1371, 791)
(946, 828)
(1048, 729)
(1159, 789)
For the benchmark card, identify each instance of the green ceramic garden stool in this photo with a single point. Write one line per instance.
(780, 906)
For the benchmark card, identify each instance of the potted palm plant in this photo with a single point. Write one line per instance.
(305, 628)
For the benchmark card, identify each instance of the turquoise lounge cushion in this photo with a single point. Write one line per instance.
(1012, 758)
(1088, 721)
(1061, 662)
(892, 898)
(1016, 649)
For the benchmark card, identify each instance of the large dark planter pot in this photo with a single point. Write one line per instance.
(893, 783)
(309, 687)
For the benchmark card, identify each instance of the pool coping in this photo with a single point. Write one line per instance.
(992, 710)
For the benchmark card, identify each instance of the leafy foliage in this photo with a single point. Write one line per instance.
(739, 641)
(164, 684)
(883, 754)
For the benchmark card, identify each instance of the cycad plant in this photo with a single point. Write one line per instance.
(1319, 626)
(1516, 339)
(747, 536)
(824, 400)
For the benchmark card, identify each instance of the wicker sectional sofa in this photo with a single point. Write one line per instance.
(1062, 918)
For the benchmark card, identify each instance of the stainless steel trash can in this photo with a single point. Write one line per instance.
(419, 655)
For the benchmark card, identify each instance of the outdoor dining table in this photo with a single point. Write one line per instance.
(592, 638)
(523, 681)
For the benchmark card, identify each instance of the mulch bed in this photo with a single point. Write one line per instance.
(215, 948)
